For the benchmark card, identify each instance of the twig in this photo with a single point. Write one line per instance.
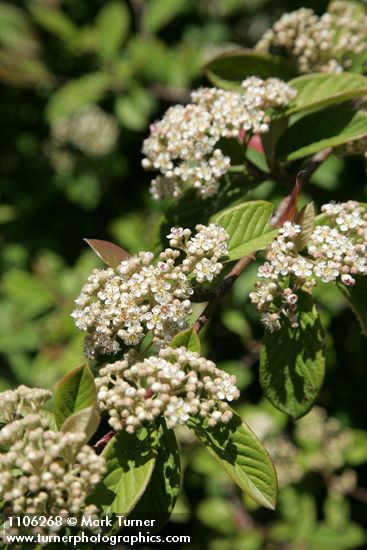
(100, 445)
(254, 170)
(137, 9)
(288, 206)
(314, 163)
(359, 493)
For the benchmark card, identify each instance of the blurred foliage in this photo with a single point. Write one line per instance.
(81, 81)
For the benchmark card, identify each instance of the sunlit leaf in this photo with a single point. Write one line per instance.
(187, 338)
(321, 90)
(84, 421)
(74, 392)
(318, 131)
(242, 456)
(130, 462)
(248, 227)
(110, 253)
(306, 219)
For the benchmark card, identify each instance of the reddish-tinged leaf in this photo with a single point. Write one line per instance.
(110, 253)
(288, 208)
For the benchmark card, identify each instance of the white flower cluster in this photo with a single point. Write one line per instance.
(176, 384)
(183, 146)
(46, 472)
(318, 44)
(141, 295)
(336, 252)
(21, 401)
(90, 130)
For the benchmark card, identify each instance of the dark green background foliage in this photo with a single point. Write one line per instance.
(138, 58)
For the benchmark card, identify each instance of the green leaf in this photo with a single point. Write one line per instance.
(162, 491)
(230, 68)
(187, 338)
(134, 108)
(248, 227)
(306, 219)
(345, 537)
(16, 32)
(242, 456)
(292, 361)
(218, 514)
(111, 254)
(84, 421)
(76, 94)
(320, 90)
(158, 13)
(55, 21)
(357, 299)
(188, 210)
(130, 462)
(74, 392)
(318, 131)
(113, 22)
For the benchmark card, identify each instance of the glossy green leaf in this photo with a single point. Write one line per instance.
(113, 22)
(319, 90)
(230, 68)
(187, 338)
(74, 392)
(85, 421)
(292, 361)
(188, 210)
(130, 462)
(357, 298)
(110, 253)
(162, 491)
(158, 13)
(76, 94)
(318, 131)
(248, 227)
(242, 456)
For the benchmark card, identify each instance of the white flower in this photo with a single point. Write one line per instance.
(290, 230)
(325, 43)
(271, 321)
(46, 472)
(336, 250)
(302, 268)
